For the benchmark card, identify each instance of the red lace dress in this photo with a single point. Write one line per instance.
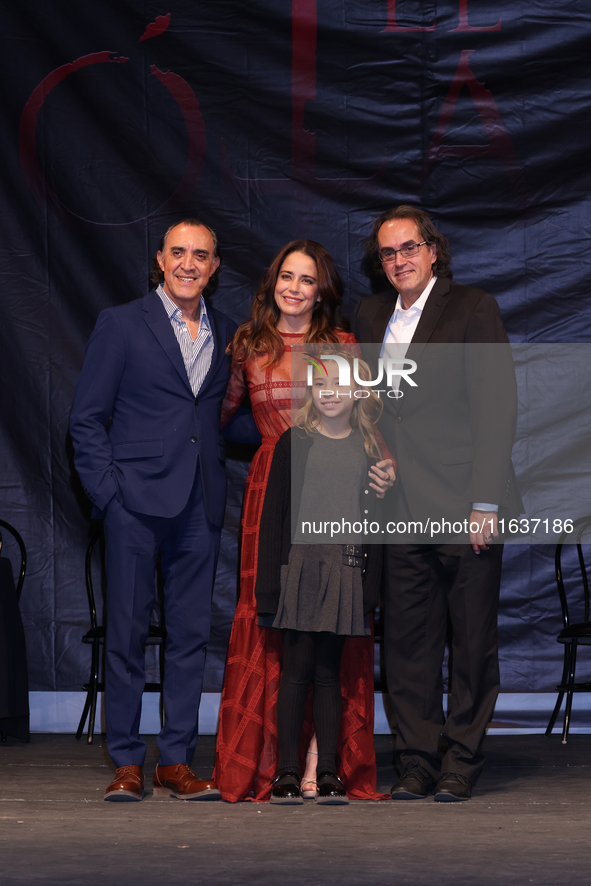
(246, 755)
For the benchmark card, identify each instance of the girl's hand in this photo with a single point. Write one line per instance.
(383, 476)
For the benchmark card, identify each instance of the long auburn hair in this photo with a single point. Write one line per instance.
(258, 335)
(365, 413)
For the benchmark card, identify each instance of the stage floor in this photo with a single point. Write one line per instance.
(529, 822)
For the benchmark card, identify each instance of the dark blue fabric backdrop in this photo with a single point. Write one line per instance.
(271, 119)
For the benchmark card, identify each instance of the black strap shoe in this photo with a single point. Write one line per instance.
(331, 790)
(415, 784)
(453, 788)
(286, 789)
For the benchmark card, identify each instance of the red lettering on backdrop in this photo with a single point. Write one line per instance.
(303, 85)
(178, 88)
(303, 142)
(499, 145)
(156, 28)
(189, 107)
(27, 139)
(463, 25)
(393, 28)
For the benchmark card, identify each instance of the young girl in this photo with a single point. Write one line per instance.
(319, 594)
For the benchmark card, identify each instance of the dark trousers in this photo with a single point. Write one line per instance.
(310, 658)
(189, 546)
(424, 584)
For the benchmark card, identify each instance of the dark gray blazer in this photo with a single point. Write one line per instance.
(453, 433)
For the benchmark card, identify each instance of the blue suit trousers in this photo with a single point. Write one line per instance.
(189, 547)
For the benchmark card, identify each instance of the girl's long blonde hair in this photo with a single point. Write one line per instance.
(364, 415)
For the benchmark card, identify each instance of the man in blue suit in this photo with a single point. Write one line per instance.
(146, 430)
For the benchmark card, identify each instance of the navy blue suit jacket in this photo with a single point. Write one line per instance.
(137, 428)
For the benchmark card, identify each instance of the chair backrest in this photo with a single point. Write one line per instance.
(580, 529)
(96, 585)
(23, 554)
(94, 567)
(96, 538)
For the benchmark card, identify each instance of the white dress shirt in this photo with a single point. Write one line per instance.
(403, 323)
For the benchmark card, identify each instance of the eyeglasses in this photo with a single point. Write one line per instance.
(387, 255)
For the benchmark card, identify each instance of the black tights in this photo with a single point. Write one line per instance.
(309, 657)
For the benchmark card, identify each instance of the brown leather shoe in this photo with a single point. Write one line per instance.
(180, 782)
(127, 786)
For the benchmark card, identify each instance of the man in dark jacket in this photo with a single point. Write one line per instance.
(452, 434)
(145, 425)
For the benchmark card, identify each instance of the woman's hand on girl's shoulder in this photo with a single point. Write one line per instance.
(383, 475)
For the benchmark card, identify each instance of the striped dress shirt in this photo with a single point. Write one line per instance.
(197, 355)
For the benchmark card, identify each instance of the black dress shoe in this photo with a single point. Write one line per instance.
(415, 784)
(331, 790)
(453, 788)
(286, 789)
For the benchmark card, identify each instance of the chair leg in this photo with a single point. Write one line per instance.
(92, 716)
(563, 680)
(93, 692)
(84, 714)
(161, 666)
(570, 691)
(3, 736)
(555, 713)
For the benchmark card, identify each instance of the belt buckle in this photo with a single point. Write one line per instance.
(351, 555)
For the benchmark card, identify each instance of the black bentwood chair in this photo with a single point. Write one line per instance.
(95, 637)
(14, 645)
(573, 633)
(23, 553)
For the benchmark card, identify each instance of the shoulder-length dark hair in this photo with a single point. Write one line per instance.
(427, 231)
(258, 335)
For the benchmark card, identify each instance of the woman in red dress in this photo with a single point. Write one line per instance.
(298, 301)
